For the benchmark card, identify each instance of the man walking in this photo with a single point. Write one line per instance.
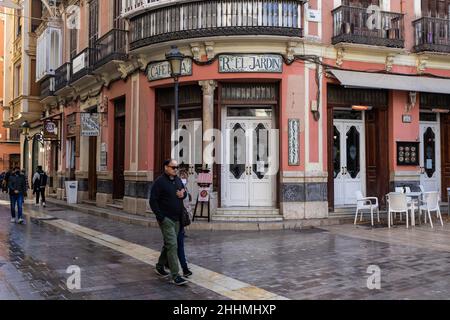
(17, 189)
(166, 201)
(38, 184)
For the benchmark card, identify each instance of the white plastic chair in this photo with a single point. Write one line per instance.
(431, 203)
(408, 199)
(365, 203)
(397, 203)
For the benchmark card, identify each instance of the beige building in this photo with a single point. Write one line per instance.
(21, 92)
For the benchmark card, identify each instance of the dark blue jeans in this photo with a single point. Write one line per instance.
(16, 199)
(181, 254)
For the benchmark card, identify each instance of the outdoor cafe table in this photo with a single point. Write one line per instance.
(414, 195)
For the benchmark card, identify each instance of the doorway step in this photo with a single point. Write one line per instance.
(116, 204)
(245, 214)
(343, 212)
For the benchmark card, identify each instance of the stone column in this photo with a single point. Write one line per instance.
(208, 87)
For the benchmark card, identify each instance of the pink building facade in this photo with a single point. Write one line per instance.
(293, 106)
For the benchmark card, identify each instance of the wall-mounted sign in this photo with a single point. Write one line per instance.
(79, 63)
(90, 125)
(162, 70)
(407, 118)
(408, 153)
(293, 140)
(250, 63)
(314, 15)
(50, 129)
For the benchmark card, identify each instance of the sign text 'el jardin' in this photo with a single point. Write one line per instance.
(162, 70)
(250, 63)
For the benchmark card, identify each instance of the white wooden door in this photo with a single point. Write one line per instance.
(430, 162)
(236, 168)
(248, 179)
(349, 161)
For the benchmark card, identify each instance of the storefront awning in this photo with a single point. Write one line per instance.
(359, 79)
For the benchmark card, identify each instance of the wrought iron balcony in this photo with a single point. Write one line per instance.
(216, 18)
(432, 34)
(62, 76)
(48, 87)
(82, 64)
(112, 46)
(362, 26)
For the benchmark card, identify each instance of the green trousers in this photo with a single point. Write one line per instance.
(169, 255)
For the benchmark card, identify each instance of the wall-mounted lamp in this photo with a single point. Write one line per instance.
(315, 110)
(361, 108)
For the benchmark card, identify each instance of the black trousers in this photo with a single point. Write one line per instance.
(40, 193)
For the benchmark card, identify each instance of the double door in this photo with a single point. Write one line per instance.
(190, 151)
(430, 163)
(248, 175)
(348, 161)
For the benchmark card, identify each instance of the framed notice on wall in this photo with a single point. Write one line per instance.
(407, 153)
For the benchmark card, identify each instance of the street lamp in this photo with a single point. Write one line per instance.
(25, 128)
(175, 58)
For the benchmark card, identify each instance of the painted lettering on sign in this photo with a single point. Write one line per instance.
(251, 63)
(90, 125)
(162, 70)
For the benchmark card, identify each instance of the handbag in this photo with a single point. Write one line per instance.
(185, 218)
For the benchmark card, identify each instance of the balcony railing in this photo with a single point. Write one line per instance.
(112, 46)
(216, 18)
(82, 64)
(432, 34)
(47, 87)
(363, 26)
(62, 76)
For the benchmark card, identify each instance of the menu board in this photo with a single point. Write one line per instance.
(408, 153)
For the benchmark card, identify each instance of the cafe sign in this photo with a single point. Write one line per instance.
(162, 70)
(50, 129)
(250, 63)
(90, 125)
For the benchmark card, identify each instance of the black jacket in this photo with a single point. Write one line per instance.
(17, 182)
(163, 198)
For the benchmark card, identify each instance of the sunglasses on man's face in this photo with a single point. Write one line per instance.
(174, 167)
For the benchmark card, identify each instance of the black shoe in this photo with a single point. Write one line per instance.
(187, 273)
(179, 281)
(161, 272)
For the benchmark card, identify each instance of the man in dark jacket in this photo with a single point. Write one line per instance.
(17, 189)
(166, 201)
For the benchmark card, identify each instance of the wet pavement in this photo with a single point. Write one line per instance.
(296, 264)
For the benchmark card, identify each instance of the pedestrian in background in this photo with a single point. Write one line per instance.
(17, 189)
(38, 184)
(184, 176)
(6, 180)
(166, 201)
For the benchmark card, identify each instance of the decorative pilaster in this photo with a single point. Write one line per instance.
(208, 87)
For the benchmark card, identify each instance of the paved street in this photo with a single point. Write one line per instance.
(117, 261)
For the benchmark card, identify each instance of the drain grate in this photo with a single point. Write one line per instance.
(310, 230)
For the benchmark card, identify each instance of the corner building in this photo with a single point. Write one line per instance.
(356, 107)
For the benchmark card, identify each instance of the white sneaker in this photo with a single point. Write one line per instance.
(43, 204)
(36, 204)
(13, 220)
(21, 221)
